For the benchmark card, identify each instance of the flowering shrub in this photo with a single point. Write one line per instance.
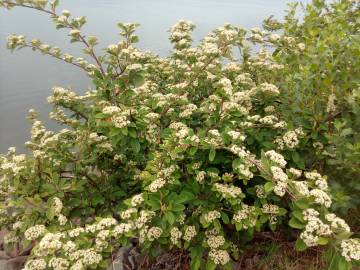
(188, 151)
(321, 86)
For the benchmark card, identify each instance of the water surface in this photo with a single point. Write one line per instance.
(26, 78)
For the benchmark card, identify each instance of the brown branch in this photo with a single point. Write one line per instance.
(82, 38)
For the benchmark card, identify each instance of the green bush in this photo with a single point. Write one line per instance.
(191, 151)
(320, 82)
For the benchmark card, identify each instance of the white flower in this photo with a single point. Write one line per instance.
(350, 249)
(321, 197)
(58, 205)
(122, 228)
(215, 241)
(175, 235)
(35, 264)
(219, 257)
(200, 176)
(331, 107)
(190, 233)
(154, 233)
(337, 224)
(128, 213)
(295, 172)
(137, 200)
(302, 187)
(157, 184)
(290, 139)
(75, 232)
(269, 89)
(301, 46)
(276, 157)
(212, 215)
(35, 232)
(58, 263)
(229, 191)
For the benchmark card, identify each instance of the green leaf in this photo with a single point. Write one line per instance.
(225, 218)
(212, 154)
(322, 241)
(295, 223)
(136, 78)
(210, 265)
(268, 187)
(185, 196)
(192, 150)
(300, 245)
(178, 208)
(295, 156)
(302, 203)
(135, 145)
(236, 163)
(170, 217)
(298, 215)
(50, 213)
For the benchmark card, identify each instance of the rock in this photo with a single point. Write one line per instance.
(118, 260)
(13, 264)
(3, 232)
(3, 255)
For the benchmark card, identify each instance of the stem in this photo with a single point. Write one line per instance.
(82, 38)
(55, 56)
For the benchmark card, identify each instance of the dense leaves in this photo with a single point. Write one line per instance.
(200, 151)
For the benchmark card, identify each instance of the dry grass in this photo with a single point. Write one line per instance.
(267, 253)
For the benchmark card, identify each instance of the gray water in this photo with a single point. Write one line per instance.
(26, 77)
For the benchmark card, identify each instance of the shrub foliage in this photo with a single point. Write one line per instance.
(200, 150)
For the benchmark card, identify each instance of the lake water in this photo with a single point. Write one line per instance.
(26, 77)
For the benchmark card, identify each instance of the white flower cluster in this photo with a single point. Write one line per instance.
(314, 228)
(35, 232)
(122, 228)
(331, 107)
(225, 84)
(190, 233)
(137, 200)
(290, 139)
(157, 184)
(61, 94)
(219, 257)
(228, 191)
(180, 34)
(215, 241)
(276, 157)
(270, 209)
(200, 176)
(175, 235)
(320, 181)
(295, 173)
(337, 224)
(128, 213)
(269, 89)
(281, 180)
(154, 233)
(302, 188)
(321, 197)
(187, 110)
(59, 263)
(350, 249)
(211, 216)
(236, 135)
(247, 216)
(35, 264)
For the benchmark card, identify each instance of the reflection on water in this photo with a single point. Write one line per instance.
(26, 78)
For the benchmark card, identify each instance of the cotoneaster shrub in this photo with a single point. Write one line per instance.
(188, 151)
(320, 82)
